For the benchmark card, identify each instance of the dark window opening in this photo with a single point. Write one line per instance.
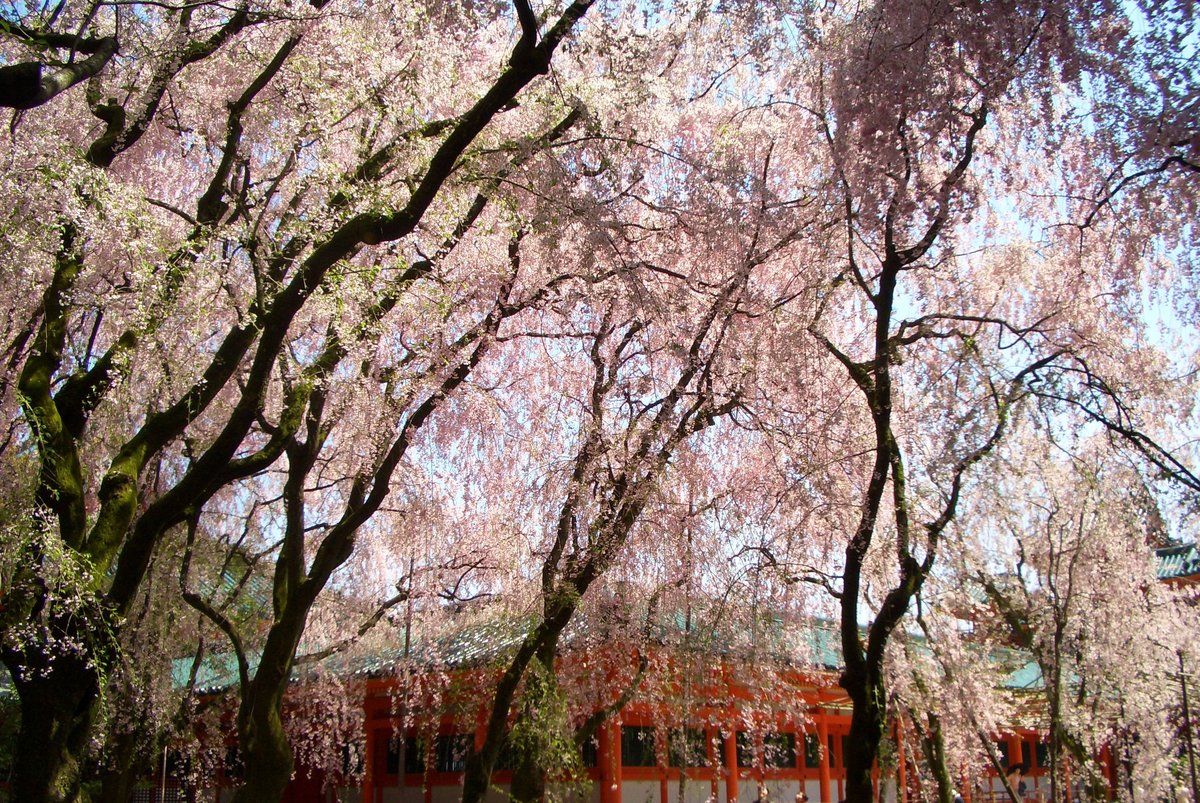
(414, 755)
(152, 794)
(637, 746)
(589, 753)
(745, 749)
(506, 759)
(451, 752)
(179, 766)
(233, 763)
(812, 751)
(779, 751)
(1042, 752)
(391, 761)
(687, 745)
(352, 760)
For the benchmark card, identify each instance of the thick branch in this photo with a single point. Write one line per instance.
(29, 84)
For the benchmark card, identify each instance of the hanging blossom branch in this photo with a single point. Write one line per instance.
(465, 569)
(1120, 420)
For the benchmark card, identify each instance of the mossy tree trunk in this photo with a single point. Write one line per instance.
(56, 727)
(933, 743)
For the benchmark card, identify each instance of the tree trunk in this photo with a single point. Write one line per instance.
(116, 782)
(58, 706)
(266, 751)
(528, 778)
(935, 755)
(529, 770)
(867, 723)
(478, 776)
(1056, 728)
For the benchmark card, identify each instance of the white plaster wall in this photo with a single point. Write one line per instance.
(782, 790)
(592, 796)
(447, 794)
(697, 791)
(403, 794)
(1032, 787)
(639, 792)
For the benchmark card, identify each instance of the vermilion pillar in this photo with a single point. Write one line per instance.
(731, 767)
(823, 738)
(1015, 754)
(604, 762)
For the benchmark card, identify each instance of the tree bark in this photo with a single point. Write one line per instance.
(116, 782)
(935, 755)
(863, 677)
(265, 748)
(867, 723)
(478, 776)
(29, 84)
(57, 714)
(529, 772)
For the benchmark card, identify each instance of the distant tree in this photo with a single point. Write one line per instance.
(1061, 558)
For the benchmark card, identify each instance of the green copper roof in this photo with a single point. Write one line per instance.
(1177, 562)
(216, 672)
